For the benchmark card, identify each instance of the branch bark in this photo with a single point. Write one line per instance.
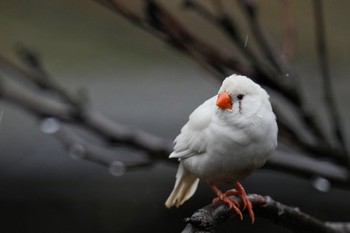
(208, 218)
(329, 96)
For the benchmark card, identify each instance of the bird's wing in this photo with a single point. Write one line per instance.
(192, 139)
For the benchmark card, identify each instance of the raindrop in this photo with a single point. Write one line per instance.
(321, 184)
(49, 125)
(1, 115)
(287, 75)
(280, 211)
(77, 151)
(117, 168)
(246, 41)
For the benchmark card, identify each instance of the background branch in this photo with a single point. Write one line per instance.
(151, 147)
(329, 96)
(289, 31)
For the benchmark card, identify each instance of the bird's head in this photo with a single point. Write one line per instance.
(240, 95)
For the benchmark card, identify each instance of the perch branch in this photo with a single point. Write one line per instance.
(209, 217)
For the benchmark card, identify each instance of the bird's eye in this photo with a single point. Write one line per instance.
(240, 96)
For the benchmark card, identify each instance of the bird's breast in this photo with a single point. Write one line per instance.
(233, 152)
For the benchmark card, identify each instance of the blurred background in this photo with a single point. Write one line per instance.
(135, 79)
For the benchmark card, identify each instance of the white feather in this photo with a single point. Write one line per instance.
(185, 186)
(219, 145)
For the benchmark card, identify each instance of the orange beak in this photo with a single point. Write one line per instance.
(224, 101)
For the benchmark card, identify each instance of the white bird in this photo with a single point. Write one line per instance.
(225, 139)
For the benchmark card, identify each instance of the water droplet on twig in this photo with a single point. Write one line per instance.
(280, 211)
(117, 168)
(1, 115)
(321, 184)
(49, 125)
(77, 151)
(246, 40)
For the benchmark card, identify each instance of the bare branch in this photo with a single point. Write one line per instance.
(342, 227)
(288, 46)
(209, 217)
(112, 157)
(164, 26)
(325, 74)
(112, 133)
(309, 168)
(270, 52)
(261, 71)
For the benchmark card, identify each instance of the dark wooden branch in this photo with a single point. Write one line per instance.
(289, 32)
(309, 168)
(122, 158)
(311, 121)
(208, 218)
(325, 74)
(250, 10)
(261, 72)
(342, 227)
(163, 25)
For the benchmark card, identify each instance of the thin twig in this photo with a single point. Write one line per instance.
(342, 227)
(308, 117)
(270, 52)
(262, 73)
(288, 28)
(1, 115)
(78, 149)
(163, 25)
(325, 74)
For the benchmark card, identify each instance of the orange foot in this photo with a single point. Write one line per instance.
(239, 191)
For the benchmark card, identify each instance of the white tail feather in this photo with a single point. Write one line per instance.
(185, 186)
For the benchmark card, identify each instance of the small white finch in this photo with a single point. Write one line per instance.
(226, 138)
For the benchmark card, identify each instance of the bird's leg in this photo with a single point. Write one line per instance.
(239, 191)
(245, 200)
(223, 197)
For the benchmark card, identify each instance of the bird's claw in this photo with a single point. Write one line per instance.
(245, 200)
(233, 204)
